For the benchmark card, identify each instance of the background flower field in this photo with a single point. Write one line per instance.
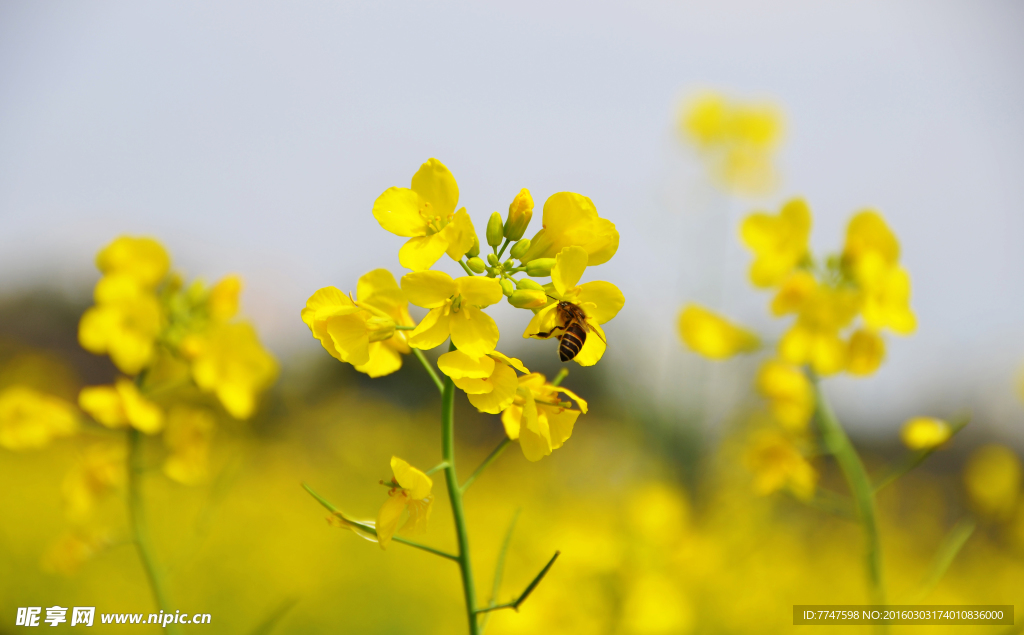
(255, 141)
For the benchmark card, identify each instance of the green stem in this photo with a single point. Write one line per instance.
(430, 369)
(140, 531)
(500, 253)
(466, 268)
(839, 445)
(455, 496)
(370, 529)
(495, 453)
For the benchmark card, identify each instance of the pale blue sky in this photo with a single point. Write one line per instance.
(254, 137)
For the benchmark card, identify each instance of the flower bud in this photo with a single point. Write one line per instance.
(494, 230)
(474, 251)
(528, 299)
(476, 265)
(519, 248)
(508, 265)
(540, 267)
(519, 214)
(526, 283)
(506, 287)
(492, 260)
(379, 328)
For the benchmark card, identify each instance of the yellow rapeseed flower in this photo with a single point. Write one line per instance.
(992, 478)
(72, 549)
(599, 300)
(362, 332)
(489, 381)
(814, 339)
(223, 298)
(120, 406)
(925, 433)
(124, 325)
(887, 302)
(30, 419)
(187, 439)
(779, 242)
(864, 352)
(413, 494)
(789, 393)
(538, 418)
(777, 464)
(456, 310)
(143, 259)
(99, 470)
(871, 248)
(713, 336)
(570, 220)
(425, 213)
(229, 361)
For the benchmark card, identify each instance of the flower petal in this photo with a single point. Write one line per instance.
(713, 336)
(473, 332)
(379, 289)
(460, 235)
(511, 361)
(420, 253)
(432, 330)
(350, 337)
(479, 291)
(474, 386)
(601, 300)
(510, 420)
(415, 482)
(388, 516)
(383, 360)
(505, 383)
(398, 211)
(560, 424)
(437, 187)
(428, 289)
(534, 435)
(458, 365)
(594, 346)
(582, 404)
(570, 263)
(542, 322)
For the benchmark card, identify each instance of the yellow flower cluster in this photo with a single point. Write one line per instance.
(374, 329)
(736, 140)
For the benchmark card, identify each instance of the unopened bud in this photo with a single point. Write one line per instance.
(492, 260)
(474, 251)
(508, 265)
(380, 328)
(540, 267)
(494, 230)
(519, 248)
(519, 214)
(528, 299)
(526, 283)
(476, 265)
(506, 287)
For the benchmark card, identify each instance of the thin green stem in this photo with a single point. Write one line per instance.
(370, 529)
(455, 496)
(947, 552)
(502, 251)
(430, 369)
(140, 532)
(403, 327)
(499, 567)
(466, 268)
(917, 458)
(526, 592)
(846, 456)
(562, 374)
(439, 466)
(495, 453)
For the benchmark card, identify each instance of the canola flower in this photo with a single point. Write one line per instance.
(838, 309)
(373, 330)
(736, 140)
(172, 342)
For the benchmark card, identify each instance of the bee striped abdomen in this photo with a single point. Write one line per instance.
(571, 342)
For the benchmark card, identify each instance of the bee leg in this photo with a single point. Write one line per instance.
(549, 333)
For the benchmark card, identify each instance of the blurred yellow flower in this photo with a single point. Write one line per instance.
(656, 605)
(455, 310)
(126, 328)
(887, 302)
(425, 213)
(413, 494)
(871, 249)
(362, 333)
(864, 352)
(72, 549)
(789, 393)
(30, 419)
(779, 242)
(489, 381)
(120, 406)
(736, 140)
(658, 513)
(229, 361)
(713, 336)
(777, 464)
(538, 418)
(992, 478)
(925, 433)
(99, 470)
(143, 259)
(223, 298)
(600, 301)
(814, 338)
(187, 439)
(571, 220)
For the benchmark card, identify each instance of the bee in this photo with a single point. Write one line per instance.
(573, 324)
